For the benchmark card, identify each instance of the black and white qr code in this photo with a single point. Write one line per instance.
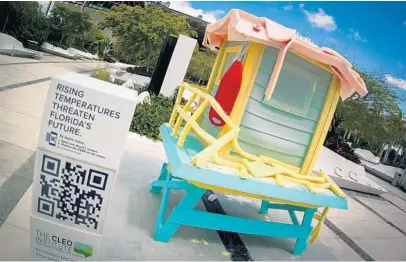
(71, 192)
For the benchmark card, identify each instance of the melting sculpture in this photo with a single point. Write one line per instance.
(256, 130)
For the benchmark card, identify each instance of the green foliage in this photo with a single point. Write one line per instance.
(201, 63)
(69, 27)
(149, 117)
(375, 118)
(139, 32)
(65, 27)
(94, 41)
(24, 21)
(200, 28)
(103, 74)
(336, 142)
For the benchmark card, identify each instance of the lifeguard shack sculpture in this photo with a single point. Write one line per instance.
(256, 131)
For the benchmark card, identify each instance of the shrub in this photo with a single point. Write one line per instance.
(149, 117)
(23, 20)
(335, 142)
(102, 74)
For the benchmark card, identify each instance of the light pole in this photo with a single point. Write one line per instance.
(49, 8)
(83, 6)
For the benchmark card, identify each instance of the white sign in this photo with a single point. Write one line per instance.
(178, 65)
(84, 128)
(53, 242)
(71, 192)
(86, 118)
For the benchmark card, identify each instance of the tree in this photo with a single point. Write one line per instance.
(94, 40)
(139, 32)
(200, 28)
(68, 26)
(98, 42)
(375, 118)
(24, 21)
(201, 63)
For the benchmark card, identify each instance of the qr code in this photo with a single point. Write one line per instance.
(71, 191)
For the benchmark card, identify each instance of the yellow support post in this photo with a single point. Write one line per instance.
(323, 124)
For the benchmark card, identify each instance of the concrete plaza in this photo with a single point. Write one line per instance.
(372, 229)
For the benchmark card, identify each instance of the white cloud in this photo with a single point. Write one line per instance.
(306, 40)
(185, 7)
(301, 6)
(287, 7)
(321, 20)
(332, 40)
(356, 36)
(397, 82)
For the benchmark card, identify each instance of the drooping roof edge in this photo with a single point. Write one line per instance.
(239, 25)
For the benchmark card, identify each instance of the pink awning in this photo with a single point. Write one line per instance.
(238, 25)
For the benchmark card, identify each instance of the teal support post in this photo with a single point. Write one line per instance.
(164, 200)
(301, 242)
(184, 213)
(165, 231)
(264, 207)
(155, 189)
(293, 217)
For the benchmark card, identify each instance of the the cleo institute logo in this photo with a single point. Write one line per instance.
(51, 138)
(83, 249)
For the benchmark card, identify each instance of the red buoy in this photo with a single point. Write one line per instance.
(227, 92)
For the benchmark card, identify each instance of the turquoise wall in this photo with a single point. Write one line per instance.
(279, 131)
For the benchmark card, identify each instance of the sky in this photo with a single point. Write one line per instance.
(371, 35)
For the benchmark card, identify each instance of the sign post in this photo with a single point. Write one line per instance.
(83, 132)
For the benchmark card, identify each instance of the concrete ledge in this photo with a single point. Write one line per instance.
(54, 50)
(11, 46)
(345, 173)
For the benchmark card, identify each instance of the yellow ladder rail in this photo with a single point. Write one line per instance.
(216, 106)
(209, 139)
(185, 109)
(204, 156)
(177, 102)
(193, 119)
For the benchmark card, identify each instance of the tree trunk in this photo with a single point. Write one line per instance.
(403, 158)
(83, 6)
(5, 23)
(385, 157)
(381, 152)
(349, 135)
(345, 134)
(62, 37)
(397, 154)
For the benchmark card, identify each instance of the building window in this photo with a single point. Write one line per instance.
(294, 90)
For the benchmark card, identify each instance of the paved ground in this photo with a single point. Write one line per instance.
(23, 87)
(372, 229)
(131, 219)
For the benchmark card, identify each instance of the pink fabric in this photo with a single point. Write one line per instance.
(238, 25)
(276, 70)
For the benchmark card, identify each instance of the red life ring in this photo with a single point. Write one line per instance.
(227, 92)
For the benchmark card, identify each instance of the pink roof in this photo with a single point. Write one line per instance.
(238, 25)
